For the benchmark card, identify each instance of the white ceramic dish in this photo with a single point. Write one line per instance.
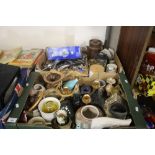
(48, 116)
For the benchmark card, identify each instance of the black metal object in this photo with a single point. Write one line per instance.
(107, 36)
(8, 80)
(134, 108)
(16, 112)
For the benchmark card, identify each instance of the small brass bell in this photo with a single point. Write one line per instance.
(96, 84)
(86, 99)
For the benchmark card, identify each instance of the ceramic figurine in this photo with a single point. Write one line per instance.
(111, 68)
(62, 117)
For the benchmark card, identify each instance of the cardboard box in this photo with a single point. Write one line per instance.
(134, 109)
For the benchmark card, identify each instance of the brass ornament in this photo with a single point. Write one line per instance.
(66, 91)
(96, 84)
(86, 99)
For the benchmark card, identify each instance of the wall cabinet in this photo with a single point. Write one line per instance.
(132, 45)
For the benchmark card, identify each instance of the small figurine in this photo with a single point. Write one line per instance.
(62, 117)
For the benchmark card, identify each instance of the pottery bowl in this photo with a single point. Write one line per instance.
(46, 108)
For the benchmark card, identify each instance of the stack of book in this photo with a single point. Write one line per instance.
(27, 58)
(7, 56)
